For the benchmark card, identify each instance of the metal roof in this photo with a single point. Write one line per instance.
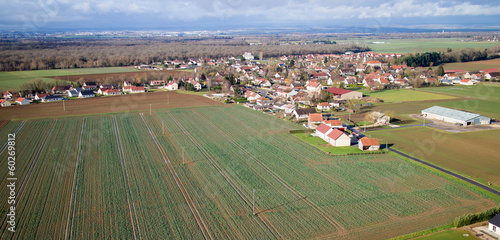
(451, 113)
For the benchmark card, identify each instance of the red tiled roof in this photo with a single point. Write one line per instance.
(335, 134)
(334, 122)
(324, 104)
(323, 128)
(369, 141)
(315, 117)
(338, 91)
(19, 99)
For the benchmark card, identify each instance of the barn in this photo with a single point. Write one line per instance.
(344, 94)
(455, 116)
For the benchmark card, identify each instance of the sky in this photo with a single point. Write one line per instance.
(38, 15)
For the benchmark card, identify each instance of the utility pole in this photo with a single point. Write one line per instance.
(253, 202)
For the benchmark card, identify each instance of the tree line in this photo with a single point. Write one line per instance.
(18, 55)
(435, 58)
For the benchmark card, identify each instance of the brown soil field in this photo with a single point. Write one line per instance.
(124, 103)
(3, 123)
(103, 76)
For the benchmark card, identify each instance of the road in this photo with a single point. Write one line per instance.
(439, 168)
(447, 172)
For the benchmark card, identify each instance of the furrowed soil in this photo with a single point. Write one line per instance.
(124, 103)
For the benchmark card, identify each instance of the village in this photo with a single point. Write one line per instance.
(307, 89)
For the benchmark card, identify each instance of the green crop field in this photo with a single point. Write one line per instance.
(474, 66)
(191, 173)
(450, 234)
(471, 153)
(11, 80)
(405, 95)
(481, 91)
(420, 45)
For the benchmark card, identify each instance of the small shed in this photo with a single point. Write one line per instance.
(368, 144)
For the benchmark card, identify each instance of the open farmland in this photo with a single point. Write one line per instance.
(471, 153)
(98, 105)
(481, 91)
(475, 65)
(405, 95)
(12, 80)
(190, 173)
(420, 45)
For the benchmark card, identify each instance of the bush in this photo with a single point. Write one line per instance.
(475, 218)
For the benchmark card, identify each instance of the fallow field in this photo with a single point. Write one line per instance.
(191, 173)
(470, 153)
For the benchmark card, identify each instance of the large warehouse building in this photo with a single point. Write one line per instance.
(455, 116)
(344, 94)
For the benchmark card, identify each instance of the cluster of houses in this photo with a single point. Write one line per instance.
(336, 134)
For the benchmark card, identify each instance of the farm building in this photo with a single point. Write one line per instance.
(4, 103)
(368, 144)
(455, 116)
(338, 138)
(303, 113)
(22, 101)
(494, 224)
(344, 94)
(315, 119)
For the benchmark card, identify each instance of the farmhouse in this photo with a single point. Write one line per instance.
(22, 101)
(303, 113)
(344, 94)
(315, 119)
(4, 103)
(172, 85)
(338, 138)
(368, 144)
(494, 224)
(455, 116)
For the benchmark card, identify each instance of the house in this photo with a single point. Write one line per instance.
(334, 124)
(324, 106)
(7, 95)
(60, 89)
(313, 86)
(22, 101)
(196, 85)
(319, 76)
(494, 224)
(51, 98)
(368, 144)
(172, 85)
(466, 82)
(251, 96)
(127, 83)
(89, 85)
(4, 103)
(303, 113)
(374, 64)
(455, 116)
(315, 119)
(263, 101)
(72, 93)
(101, 90)
(109, 92)
(133, 89)
(322, 130)
(338, 138)
(86, 94)
(157, 82)
(344, 94)
(41, 96)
